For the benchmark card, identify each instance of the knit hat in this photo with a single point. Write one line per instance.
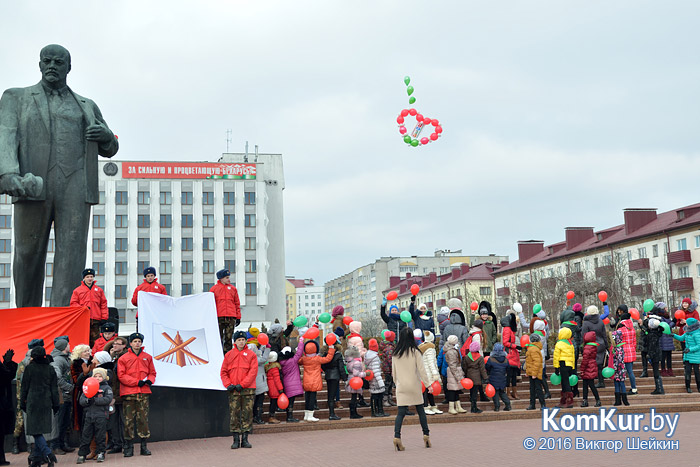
(65, 338)
(275, 330)
(240, 335)
(653, 323)
(452, 339)
(103, 357)
(474, 346)
(136, 335)
(35, 343)
(622, 308)
(535, 337)
(661, 305)
(337, 311)
(272, 357)
(352, 352)
(686, 300)
(310, 348)
(285, 353)
(373, 345)
(390, 336)
(88, 272)
(592, 310)
(101, 371)
(428, 336)
(38, 352)
(339, 332)
(417, 334)
(254, 332)
(149, 270)
(541, 315)
(454, 303)
(61, 344)
(483, 311)
(497, 350)
(108, 327)
(444, 311)
(478, 324)
(393, 308)
(577, 307)
(539, 325)
(222, 273)
(423, 307)
(355, 326)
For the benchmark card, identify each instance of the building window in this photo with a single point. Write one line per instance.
(144, 220)
(681, 244)
(101, 197)
(6, 270)
(121, 244)
(51, 247)
(207, 286)
(121, 221)
(505, 284)
(166, 244)
(208, 220)
(166, 267)
(229, 243)
(249, 197)
(607, 260)
(99, 267)
(208, 243)
(167, 288)
(121, 197)
(186, 289)
(683, 271)
(98, 244)
(186, 244)
(187, 267)
(144, 244)
(141, 265)
(166, 197)
(251, 289)
(208, 267)
(250, 243)
(230, 264)
(166, 221)
(484, 291)
(5, 222)
(666, 250)
(577, 266)
(630, 281)
(5, 199)
(5, 295)
(251, 265)
(657, 276)
(629, 255)
(698, 268)
(144, 197)
(229, 197)
(208, 197)
(250, 220)
(186, 197)
(120, 291)
(642, 252)
(186, 220)
(120, 268)
(98, 221)
(229, 220)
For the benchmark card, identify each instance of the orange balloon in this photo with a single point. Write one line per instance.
(490, 390)
(570, 295)
(392, 295)
(415, 289)
(355, 383)
(263, 339)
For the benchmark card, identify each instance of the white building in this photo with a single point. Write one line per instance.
(310, 300)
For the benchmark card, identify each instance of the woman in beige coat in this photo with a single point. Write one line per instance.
(409, 372)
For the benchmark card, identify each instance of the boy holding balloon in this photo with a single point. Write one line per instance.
(95, 398)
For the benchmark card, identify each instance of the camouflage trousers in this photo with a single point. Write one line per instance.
(226, 328)
(240, 406)
(19, 422)
(136, 406)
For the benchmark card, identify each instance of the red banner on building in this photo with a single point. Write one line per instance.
(188, 170)
(21, 325)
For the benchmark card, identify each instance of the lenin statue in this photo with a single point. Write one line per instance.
(49, 141)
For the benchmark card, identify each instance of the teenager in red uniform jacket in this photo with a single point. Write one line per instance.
(149, 284)
(238, 373)
(136, 374)
(108, 334)
(90, 295)
(228, 307)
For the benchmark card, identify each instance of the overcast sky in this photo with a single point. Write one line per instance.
(555, 113)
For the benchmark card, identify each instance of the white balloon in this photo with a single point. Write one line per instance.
(517, 307)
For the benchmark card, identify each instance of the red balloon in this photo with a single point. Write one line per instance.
(438, 129)
(415, 289)
(347, 320)
(436, 388)
(490, 390)
(467, 383)
(331, 339)
(282, 402)
(433, 137)
(312, 333)
(424, 140)
(356, 382)
(634, 313)
(392, 295)
(435, 122)
(402, 130)
(419, 117)
(399, 120)
(486, 359)
(90, 387)
(603, 296)
(680, 314)
(474, 306)
(369, 375)
(426, 120)
(524, 340)
(404, 112)
(606, 321)
(413, 112)
(570, 295)
(263, 339)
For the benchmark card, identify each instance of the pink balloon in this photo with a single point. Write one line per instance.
(404, 112)
(413, 112)
(424, 140)
(419, 117)
(435, 122)
(434, 137)
(399, 120)
(438, 129)
(402, 130)
(426, 120)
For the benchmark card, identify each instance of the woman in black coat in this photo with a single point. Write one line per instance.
(8, 369)
(39, 399)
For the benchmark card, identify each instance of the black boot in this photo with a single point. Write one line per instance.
(531, 406)
(353, 411)
(244, 441)
(144, 448)
(115, 449)
(372, 406)
(508, 407)
(584, 403)
(659, 387)
(290, 414)
(496, 404)
(482, 395)
(475, 409)
(331, 412)
(618, 399)
(257, 420)
(624, 398)
(128, 447)
(361, 402)
(378, 405)
(15, 445)
(601, 380)
(644, 370)
(236, 441)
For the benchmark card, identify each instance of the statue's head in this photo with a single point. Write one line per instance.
(54, 63)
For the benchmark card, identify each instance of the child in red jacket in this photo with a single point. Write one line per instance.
(274, 384)
(589, 368)
(238, 372)
(136, 375)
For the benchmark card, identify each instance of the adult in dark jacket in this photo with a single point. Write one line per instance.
(654, 333)
(567, 319)
(279, 337)
(393, 319)
(61, 364)
(8, 369)
(592, 322)
(334, 372)
(38, 399)
(457, 326)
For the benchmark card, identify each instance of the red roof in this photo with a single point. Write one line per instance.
(481, 272)
(664, 222)
(301, 283)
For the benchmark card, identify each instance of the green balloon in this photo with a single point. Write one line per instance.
(407, 139)
(667, 328)
(414, 143)
(325, 318)
(412, 100)
(648, 305)
(300, 321)
(406, 80)
(537, 308)
(406, 316)
(573, 379)
(608, 372)
(555, 379)
(409, 90)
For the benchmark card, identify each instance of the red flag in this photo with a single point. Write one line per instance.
(18, 326)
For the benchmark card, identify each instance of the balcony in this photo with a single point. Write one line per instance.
(641, 290)
(441, 302)
(548, 283)
(640, 264)
(503, 292)
(524, 287)
(678, 285)
(574, 277)
(682, 256)
(604, 271)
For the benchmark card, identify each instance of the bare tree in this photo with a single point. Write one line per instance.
(372, 325)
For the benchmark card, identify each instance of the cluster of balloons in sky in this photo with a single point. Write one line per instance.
(422, 122)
